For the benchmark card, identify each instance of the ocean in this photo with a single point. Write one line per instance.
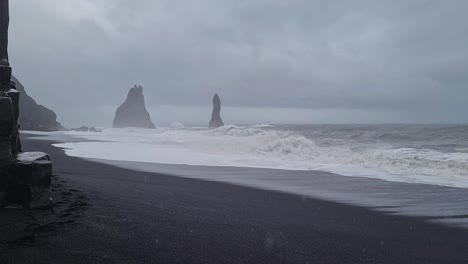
(428, 154)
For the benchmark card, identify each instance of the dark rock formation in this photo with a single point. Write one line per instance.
(24, 177)
(34, 116)
(85, 129)
(4, 24)
(7, 118)
(30, 186)
(133, 113)
(6, 126)
(80, 129)
(216, 120)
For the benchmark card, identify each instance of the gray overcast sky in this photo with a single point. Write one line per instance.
(271, 61)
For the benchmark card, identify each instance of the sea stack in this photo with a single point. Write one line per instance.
(133, 113)
(216, 120)
(32, 115)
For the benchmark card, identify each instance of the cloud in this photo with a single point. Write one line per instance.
(363, 55)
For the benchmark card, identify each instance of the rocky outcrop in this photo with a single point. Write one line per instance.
(85, 129)
(4, 24)
(133, 113)
(24, 177)
(34, 116)
(216, 120)
(30, 186)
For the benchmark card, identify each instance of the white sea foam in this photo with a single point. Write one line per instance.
(176, 124)
(263, 126)
(268, 147)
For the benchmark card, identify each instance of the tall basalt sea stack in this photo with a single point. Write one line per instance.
(216, 120)
(24, 177)
(133, 113)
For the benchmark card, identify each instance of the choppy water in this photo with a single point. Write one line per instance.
(434, 154)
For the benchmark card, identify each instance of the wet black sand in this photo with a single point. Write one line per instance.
(111, 215)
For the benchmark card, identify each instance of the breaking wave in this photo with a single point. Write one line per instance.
(369, 152)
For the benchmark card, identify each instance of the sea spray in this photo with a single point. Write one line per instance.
(398, 153)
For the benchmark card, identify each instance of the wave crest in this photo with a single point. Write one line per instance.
(267, 147)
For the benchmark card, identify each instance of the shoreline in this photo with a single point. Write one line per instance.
(142, 217)
(399, 198)
(105, 146)
(391, 197)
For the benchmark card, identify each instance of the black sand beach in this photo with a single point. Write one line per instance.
(111, 215)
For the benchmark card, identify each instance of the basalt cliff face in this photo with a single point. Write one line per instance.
(33, 116)
(133, 113)
(216, 120)
(25, 177)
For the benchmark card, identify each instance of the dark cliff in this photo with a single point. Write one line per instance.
(33, 116)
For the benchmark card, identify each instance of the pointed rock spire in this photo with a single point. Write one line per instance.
(133, 113)
(216, 120)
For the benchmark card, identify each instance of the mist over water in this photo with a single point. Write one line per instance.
(433, 154)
